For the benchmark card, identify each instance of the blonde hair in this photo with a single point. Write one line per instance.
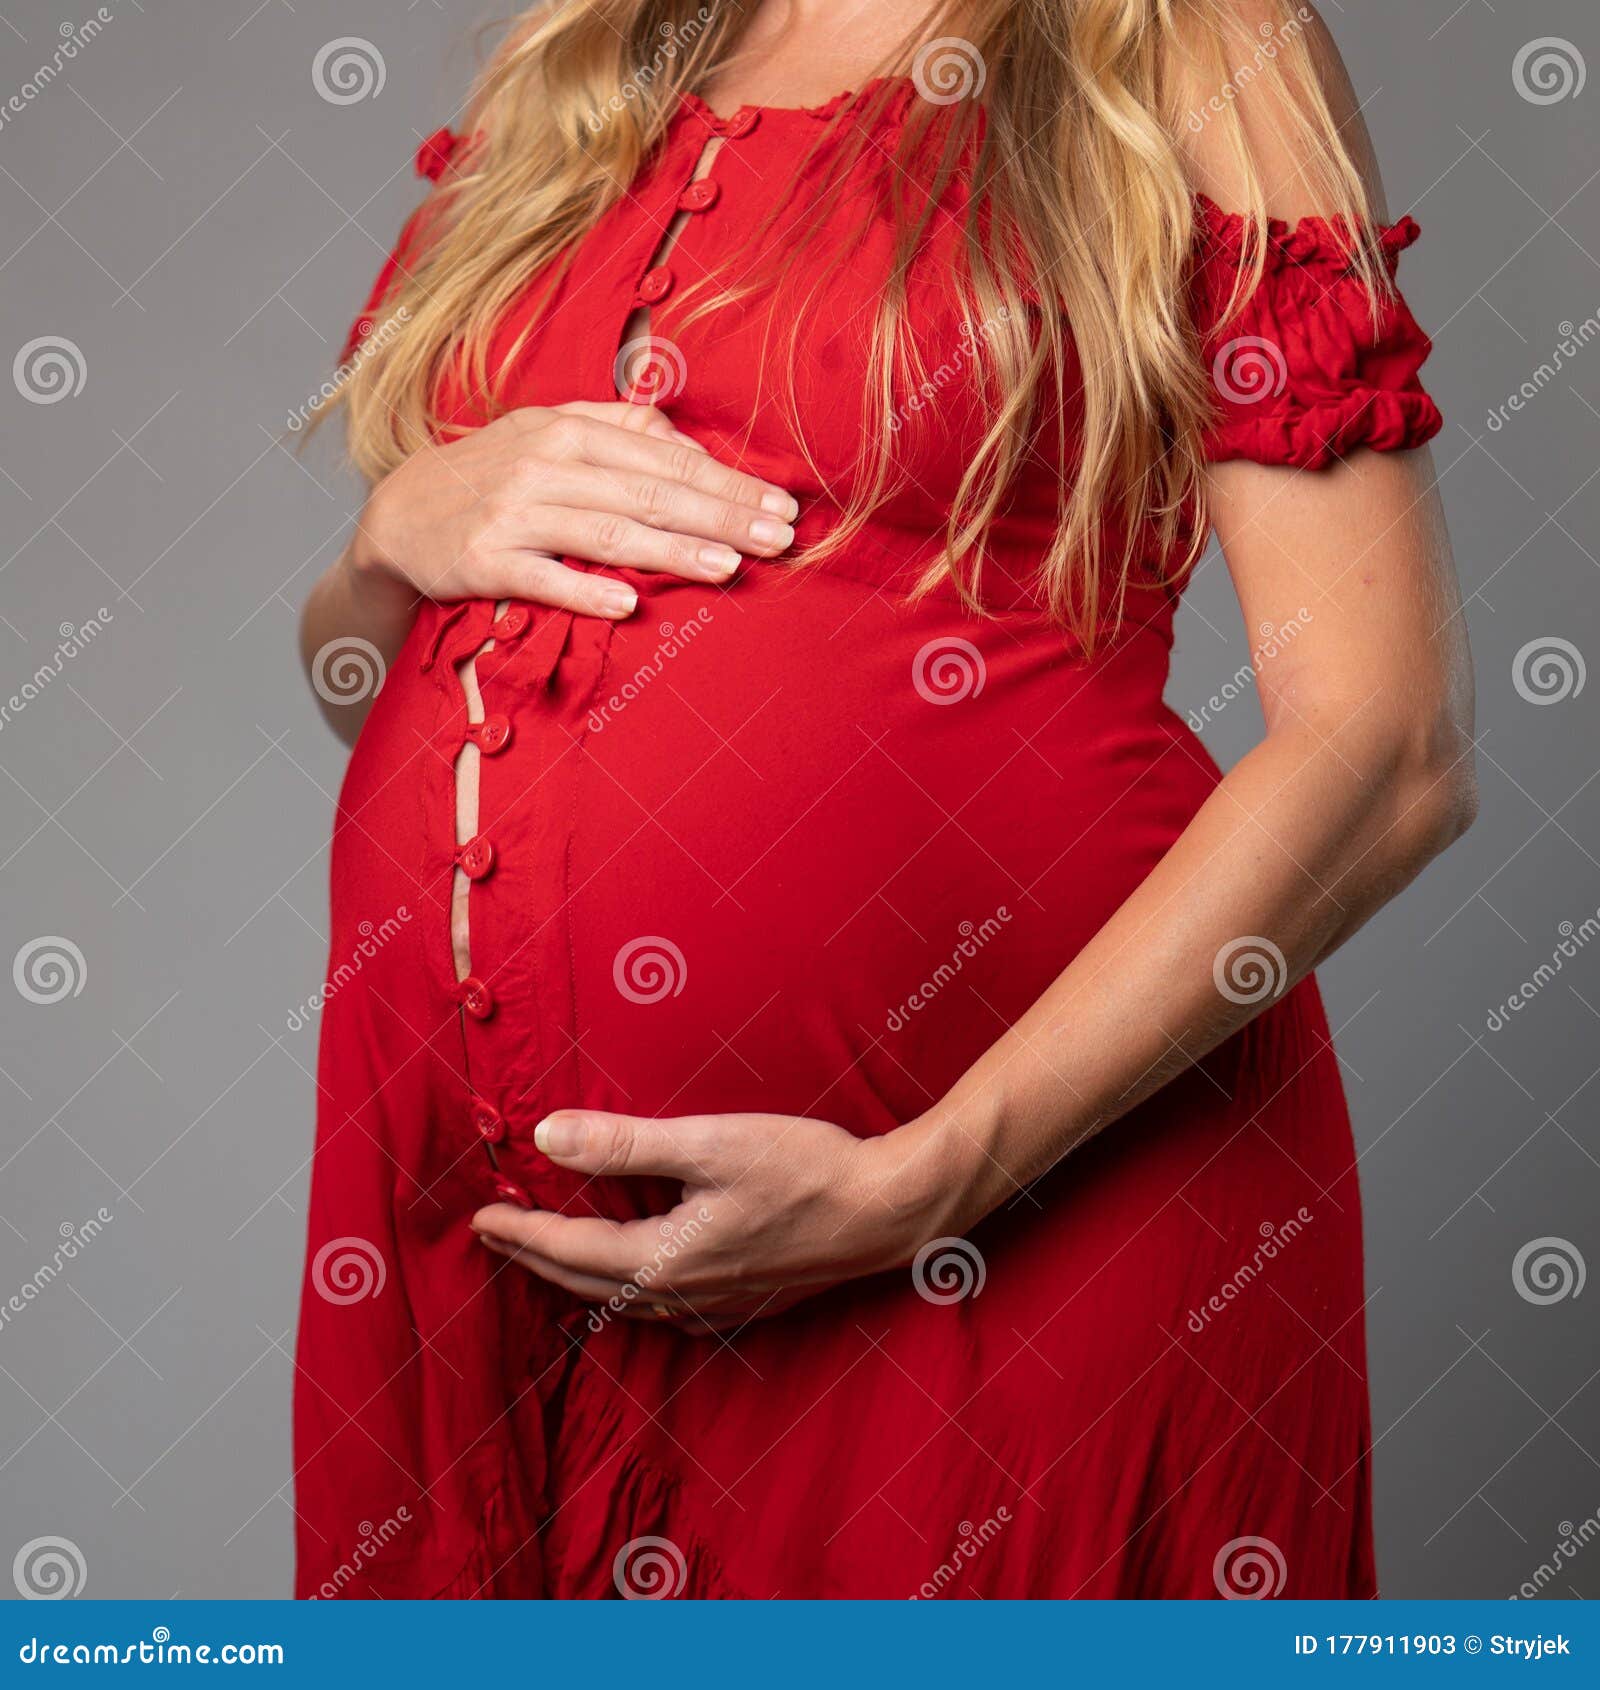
(1080, 196)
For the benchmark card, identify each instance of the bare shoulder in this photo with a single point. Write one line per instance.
(1269, 65)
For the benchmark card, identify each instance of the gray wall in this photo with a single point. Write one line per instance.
(184, 208)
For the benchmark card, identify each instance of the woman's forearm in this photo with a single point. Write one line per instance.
(1309, 835)
(352, 601)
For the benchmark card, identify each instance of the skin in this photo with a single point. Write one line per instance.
(1364, 775)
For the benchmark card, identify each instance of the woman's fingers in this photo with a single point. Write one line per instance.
(696, 1149)
(542, 580)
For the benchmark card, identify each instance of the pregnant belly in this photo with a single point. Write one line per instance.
(797, 847)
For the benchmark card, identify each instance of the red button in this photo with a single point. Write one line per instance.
(699, 196)
(491, 735)
(656, 284)
(742, 122)
(509, 1192)
(487, 1119)
(476, 858)
(476, 998)
(513, 625)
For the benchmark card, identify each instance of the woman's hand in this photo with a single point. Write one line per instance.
(775, 1208)
(488, 515)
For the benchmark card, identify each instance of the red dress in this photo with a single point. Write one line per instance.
(805, 844)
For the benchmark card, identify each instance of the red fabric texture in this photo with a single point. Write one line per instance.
(860, 831)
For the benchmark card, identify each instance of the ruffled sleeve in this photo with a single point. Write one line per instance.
(1304, 373)
(433, 159)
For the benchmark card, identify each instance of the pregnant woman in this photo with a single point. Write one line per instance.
(825, 1095)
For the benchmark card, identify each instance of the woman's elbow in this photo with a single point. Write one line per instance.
(1434, 788)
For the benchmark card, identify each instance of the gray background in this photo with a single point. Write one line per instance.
(185, 208)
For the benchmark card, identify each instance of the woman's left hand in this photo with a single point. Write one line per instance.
(775, 1208)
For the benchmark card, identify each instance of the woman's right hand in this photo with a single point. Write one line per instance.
(490, 515)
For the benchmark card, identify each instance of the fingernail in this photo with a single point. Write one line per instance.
(619, 601)
(559, 1138)
(774, 534)
(781, 504)
(723, 559)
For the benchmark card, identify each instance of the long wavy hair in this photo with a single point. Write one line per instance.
(1079, 195)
